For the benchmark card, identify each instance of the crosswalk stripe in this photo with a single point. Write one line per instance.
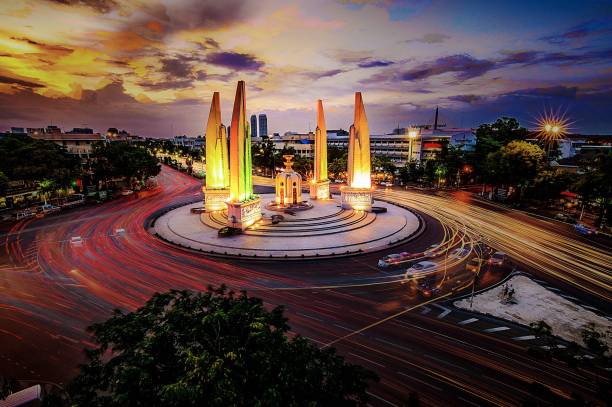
(497, 329)
(524, 338)
(468, 321)
(426, 310)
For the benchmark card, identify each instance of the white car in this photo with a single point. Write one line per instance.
(421, 268)
(432, 251)
(459, 252)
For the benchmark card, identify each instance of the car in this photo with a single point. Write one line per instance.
(427, 290)
(460, 252)
(127, 192)
(584, 229)
(420, 268)
(433, 251)
(228, 231)
(386, 184)
(563, 217)
(46, 209)
(475, 264)
(396, 258)
(498, 259)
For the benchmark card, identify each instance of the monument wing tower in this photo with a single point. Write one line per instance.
(319, 187)
(358, 194)
(243, 207)
(216, 190)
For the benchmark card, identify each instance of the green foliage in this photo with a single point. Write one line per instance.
(123, 160)
(24, 158)
(384, 165)
(491, 137)
(7, 387)
(594, 340)
(213, 348)
(594, 184)
(4, 180)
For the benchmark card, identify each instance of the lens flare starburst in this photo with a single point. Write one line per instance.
(552, 126)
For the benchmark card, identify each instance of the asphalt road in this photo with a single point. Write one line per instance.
(51, 289)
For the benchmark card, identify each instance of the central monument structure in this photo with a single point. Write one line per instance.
(319, 186)
(216, 191)
(358, 192)
(243, 207)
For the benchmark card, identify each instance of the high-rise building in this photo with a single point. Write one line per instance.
(263, 125)
(253, 125)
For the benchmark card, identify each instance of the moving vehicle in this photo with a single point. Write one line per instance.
(433, 251)
(584, 229)
(460, 252)
(427, 289)
(421, 268)
(475, 264)
(396, 258)
(498, 259)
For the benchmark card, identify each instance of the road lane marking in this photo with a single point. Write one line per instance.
(468, 321)
(420, 381)
(367, 360)
(393, 344)
(497, 329)
(426, 310)
(309, 316)
(524, 338)
(569, 297)
(445, 311)
(381, 399)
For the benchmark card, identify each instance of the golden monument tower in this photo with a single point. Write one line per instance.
(216, 190)
(358, 192)
(243, 207)
(319, 186)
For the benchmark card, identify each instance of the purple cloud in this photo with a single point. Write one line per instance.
(469, 99)
(323, 74)
(235, 60)
(582, 30)
(375, 63)
(464, 65)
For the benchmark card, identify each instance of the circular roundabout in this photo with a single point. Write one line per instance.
(326, 230)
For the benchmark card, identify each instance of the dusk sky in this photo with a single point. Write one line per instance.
(150, 67)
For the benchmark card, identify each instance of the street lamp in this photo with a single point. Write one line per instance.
(551, 128)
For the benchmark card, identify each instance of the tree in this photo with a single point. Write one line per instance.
(123, 160)
(491, 137)
(212, 348)
(595, 183)
(518, 163)
(4, 180)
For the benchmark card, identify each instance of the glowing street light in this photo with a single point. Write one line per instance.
(551, 127)
(412, 134)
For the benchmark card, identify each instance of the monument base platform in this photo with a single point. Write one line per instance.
(319, 190)
(359, 199)
(215, 198)
(241, 215)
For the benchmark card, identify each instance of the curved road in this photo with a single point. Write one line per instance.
(51, 288)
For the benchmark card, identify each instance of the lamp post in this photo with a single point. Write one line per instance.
(412, 134)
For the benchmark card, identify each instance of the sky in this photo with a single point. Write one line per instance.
(151, 66)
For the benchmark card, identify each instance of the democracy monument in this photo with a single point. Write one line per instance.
(232, 223)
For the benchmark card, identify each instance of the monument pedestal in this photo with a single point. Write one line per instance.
(356, 198)
(215, 198)
(319, 190)
(241, 215)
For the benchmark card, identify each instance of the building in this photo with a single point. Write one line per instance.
(574, 144)
(409, 144)
(254, 126)
(80, 144)
(263, 125)
(302, 143)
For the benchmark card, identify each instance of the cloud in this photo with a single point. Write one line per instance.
(20, 82)
(323, 74)
(376, 63)
(580, 31)
(431, 38)
(235, 60)
(101, 6)
(54, 49)
(469, 99)
(565, 92)
(464, 65)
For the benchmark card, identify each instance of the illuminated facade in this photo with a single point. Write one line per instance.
(319, 186)
(216, 191)
(243, 207)
(358, 194)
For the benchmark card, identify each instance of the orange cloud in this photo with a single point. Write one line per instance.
(155, 26)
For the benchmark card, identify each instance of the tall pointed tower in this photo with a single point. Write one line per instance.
(216, 190)
(358, 193)
(243, 208)
(319, 187)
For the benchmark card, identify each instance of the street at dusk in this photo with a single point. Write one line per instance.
(305, 203)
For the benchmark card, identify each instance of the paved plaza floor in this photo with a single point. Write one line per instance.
(325, 230)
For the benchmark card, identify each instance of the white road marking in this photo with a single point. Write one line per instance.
(394, 344)
(524, 338)
(309, 316)
(497, 329)
(445, 311)
(381, 399)
(426, 310)
(468, 321)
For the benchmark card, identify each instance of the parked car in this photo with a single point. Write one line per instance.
(386, 184)
(498, 259)
(564, 217)
(420, 268)
(475, 264)
(396, 258)
(25, 214)
(584, 229)
(46, 209)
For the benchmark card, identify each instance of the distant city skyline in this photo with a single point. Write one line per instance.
(151, 67)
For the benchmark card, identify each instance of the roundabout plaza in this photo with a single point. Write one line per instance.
(289, 223)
